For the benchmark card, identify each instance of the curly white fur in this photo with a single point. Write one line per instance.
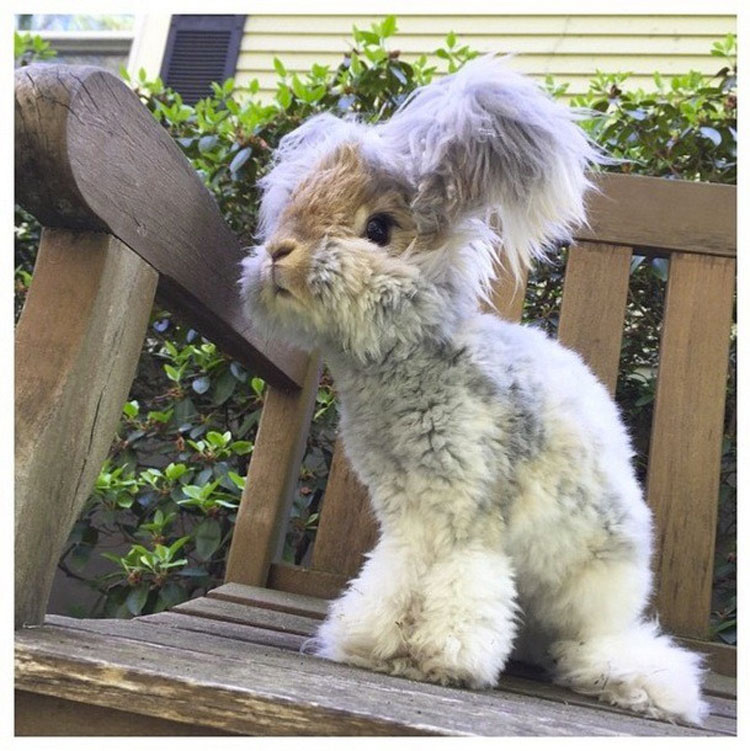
(498, 466)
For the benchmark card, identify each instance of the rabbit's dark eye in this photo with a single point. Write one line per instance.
(378, 229)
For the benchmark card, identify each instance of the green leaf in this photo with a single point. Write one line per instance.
(175, 546)
(184, 411)
(388, 27)
(242, 447)
(173, 373)
(218, 440)
(450, 40)
(711, 134)
(239, 159)
(201, 384)
(175, 471)
(279, 66)
(369, 37)
(206, 143)
(224, 387)
(299, 88)
(238, 480)
(207, 536)
(137, 599)
(284, 96)
(170, 594)
(130, 409)
(258, 385)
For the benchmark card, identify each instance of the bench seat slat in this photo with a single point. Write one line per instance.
(240, 689)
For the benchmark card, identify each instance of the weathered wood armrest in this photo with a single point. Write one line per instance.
(123, 211)
(89, 156)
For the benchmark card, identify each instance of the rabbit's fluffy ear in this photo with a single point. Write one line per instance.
(295, 155)
(487, 139)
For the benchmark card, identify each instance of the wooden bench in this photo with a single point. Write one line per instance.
(125, 217)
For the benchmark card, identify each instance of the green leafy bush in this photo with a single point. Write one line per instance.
(169, 492)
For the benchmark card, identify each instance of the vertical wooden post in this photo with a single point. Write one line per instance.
(266, 501)
(592, 315)
(77, 347)
(685, 459)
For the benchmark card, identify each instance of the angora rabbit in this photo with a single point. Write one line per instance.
(498, 467)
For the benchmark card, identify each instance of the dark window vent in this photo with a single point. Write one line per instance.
(201, 49)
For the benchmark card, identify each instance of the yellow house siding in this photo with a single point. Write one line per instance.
(570, 48)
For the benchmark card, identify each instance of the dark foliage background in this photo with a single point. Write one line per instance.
(163, 508)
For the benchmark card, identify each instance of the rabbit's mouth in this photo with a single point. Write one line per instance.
(279, 290)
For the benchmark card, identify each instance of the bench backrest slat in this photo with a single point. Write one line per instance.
(592, 314)
(686, 439)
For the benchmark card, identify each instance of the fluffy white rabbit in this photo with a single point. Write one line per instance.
(498, 467)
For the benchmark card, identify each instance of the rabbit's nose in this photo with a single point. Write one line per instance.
(281, 249)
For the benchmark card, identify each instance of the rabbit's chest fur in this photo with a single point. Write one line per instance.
(486, 439)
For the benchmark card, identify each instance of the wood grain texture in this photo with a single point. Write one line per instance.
(274, 468)
(312, 607)
(305, 581)
(347, 528)
(261, 690)
(518, 678)
(77, 346)
(39, 715)
(223, 610)
(651, 212)
(148, 195)
(720, 658)
(238, 632)
(685, 456)
(508, 296)
(592, 315)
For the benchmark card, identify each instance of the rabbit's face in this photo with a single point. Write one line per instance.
(343, 215)
(340, 268)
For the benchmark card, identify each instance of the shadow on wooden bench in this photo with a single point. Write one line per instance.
(126, 218)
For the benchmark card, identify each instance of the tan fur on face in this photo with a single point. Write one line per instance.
(337, 200)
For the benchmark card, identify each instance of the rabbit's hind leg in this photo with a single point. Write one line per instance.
(604, 646)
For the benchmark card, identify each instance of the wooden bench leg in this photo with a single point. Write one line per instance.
(77, 348)
(274, 468)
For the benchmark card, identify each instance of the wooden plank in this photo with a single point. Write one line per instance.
(345, 515)
(718, 684)
(239, 632)
(686, 437)
(274, 468)
(305, 581)
(39, 715)
(283, 693)
(652, 212)
(515, 678)
(592, 315)
(312, 607)
(222, 610)
(518, 678)
(148, 196)
(77, 346)
(508, 296)
(720, 658)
